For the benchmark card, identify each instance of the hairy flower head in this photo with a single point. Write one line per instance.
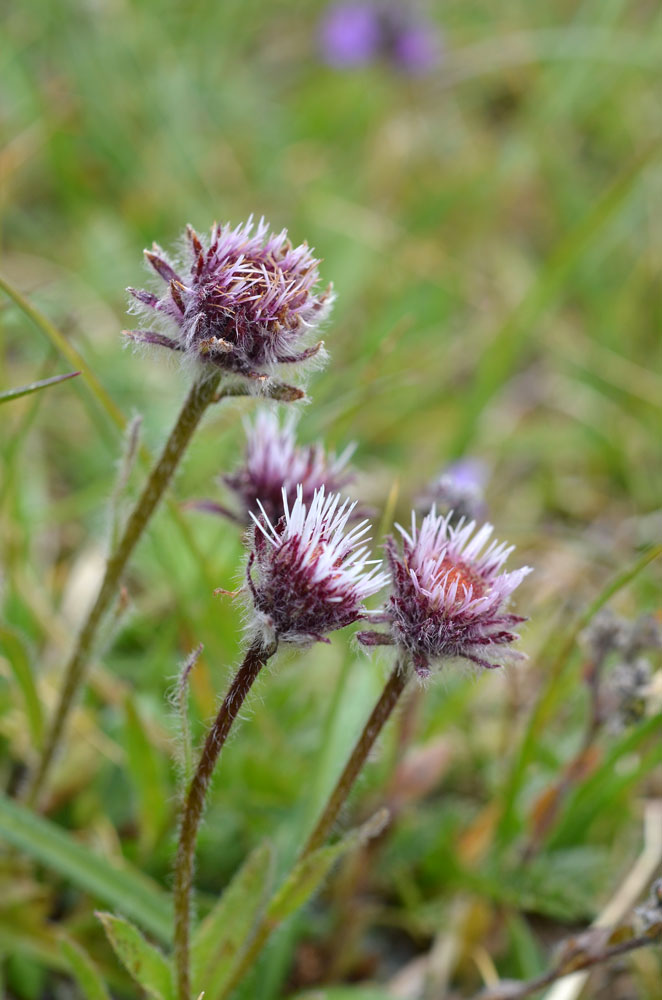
(273, 461)
(312, 575)
(449, 594)
(244, 299)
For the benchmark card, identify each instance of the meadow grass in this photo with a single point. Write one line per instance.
(493, 233)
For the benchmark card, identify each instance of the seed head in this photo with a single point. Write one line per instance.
(312, 574)
(242, 300)
(273, 461)
(449, 595)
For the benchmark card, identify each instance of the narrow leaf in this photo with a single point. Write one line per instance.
(310, 872)
(66, 349)
(83, 969)
(149, 778)
(220, 936)
(13, 647)
(148, 966)
(123, 887)
(26, 390)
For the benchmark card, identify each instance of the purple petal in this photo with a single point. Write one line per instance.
(152, 337)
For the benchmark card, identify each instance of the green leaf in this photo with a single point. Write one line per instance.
(123, 887)
(149, 778)
(148, 966)
(601, 794)
(13, 646)
(307, 876)
(220, 936)
(304, 879)
(83, 969)
(26, 390)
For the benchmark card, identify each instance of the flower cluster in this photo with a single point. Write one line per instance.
(312, 574)
(449, 595)
(354, 34)
(273, 462)
(244, 300)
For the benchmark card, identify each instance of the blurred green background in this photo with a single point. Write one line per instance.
(493, 232)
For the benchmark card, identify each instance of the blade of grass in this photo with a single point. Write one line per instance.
(26, 390)
(499, 357)
(14, 649)
(67, 350)
(547, 700)
(125, 888)
(107, 403)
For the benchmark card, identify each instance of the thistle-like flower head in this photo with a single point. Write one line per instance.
(449, 595)
(312, 575)
(273, 462)
(244, 300)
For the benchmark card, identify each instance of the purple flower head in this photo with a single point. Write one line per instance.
(243, 300)
(416, 49)
(350, 34)
(274, 462)
(354, 34)
(449, 595)
(460, 490)
(312, 574)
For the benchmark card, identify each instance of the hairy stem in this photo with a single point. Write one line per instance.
(254, 660)
(202, 393)
(388, 699)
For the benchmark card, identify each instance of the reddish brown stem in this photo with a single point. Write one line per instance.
(254, 660)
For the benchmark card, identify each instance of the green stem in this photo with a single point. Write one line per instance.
(379, 716)
(202, 393)
(254, 660)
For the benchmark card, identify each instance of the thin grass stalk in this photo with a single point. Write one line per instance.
(202, 393)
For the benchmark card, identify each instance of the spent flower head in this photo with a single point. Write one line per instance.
(449, 595)
(312, 574)
(243, 300)
(627, 692)
(273, 461)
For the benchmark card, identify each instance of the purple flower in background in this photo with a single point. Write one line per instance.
(350, 34)
(312, 574)
(416, 48)
(459, 491)
(449, 595)
(273, 461)
(354, 34)
(242, 300)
